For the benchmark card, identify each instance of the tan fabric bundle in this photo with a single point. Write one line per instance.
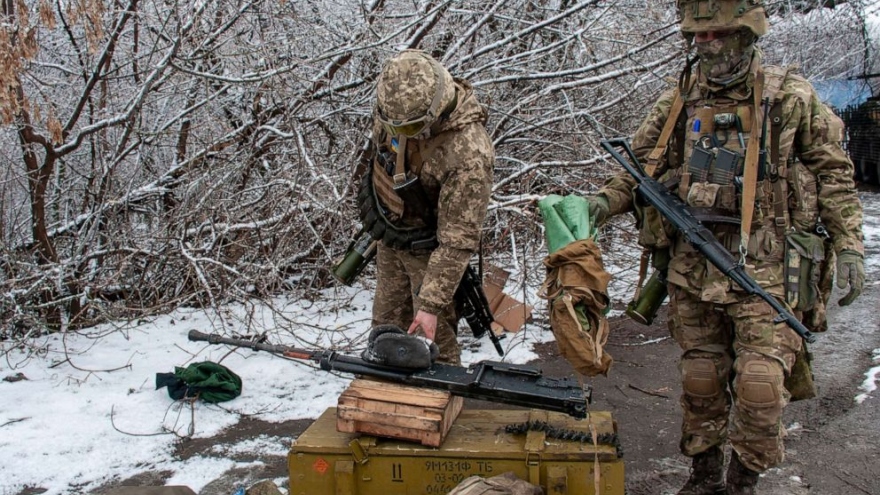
(576, 288)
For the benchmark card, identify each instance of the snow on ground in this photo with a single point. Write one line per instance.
(94, 408)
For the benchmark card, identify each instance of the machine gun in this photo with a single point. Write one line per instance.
(676, 211)
(487, 380)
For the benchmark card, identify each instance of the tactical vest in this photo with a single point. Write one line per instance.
(708, 174)
(383, 211)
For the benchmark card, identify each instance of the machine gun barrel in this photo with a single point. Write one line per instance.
(676, 211)
(487, 380)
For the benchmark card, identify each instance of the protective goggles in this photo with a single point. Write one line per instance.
(409, 128)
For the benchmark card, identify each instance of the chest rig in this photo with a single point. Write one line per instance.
(703, 152)
(725, 156)
(393, 205)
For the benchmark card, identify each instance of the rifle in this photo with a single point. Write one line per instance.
(676, 211)
(474, 306)
(487, 380)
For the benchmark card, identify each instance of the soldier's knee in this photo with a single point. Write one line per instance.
(759, 384)
(700, 377)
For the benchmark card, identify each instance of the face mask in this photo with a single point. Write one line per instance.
(726, 60)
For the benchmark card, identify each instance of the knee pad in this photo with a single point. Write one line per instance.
(700, 378)
(759, 384)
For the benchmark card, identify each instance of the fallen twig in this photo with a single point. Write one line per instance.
(655, 394)
(841, 478)
(16, 420)
(647, 342)
(113, 424)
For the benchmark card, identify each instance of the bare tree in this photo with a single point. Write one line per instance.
(167, 153)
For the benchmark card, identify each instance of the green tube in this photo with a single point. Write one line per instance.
(650, 299)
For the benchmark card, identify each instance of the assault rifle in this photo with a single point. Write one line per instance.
(474, 307)
(676, 211)
(487, 380)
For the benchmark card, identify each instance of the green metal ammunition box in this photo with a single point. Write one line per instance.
(324, 461)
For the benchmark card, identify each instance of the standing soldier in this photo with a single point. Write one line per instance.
(426, 194)
(730, 119)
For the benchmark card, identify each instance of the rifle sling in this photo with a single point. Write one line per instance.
(750, 174)
(653, 163)
(663, 141)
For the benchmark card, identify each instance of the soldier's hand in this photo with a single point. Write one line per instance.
(425, 321)
(599, 208)
(850, 271)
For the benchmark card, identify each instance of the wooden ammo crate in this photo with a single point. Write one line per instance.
(324, 461)
(397, 411)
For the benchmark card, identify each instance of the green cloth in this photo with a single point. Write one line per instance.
(207, 380)
(566, 219)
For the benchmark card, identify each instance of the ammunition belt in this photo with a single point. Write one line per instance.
(565, 434)
(380, 228)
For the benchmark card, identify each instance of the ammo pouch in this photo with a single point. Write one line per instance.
(381, 229)
(804, 257)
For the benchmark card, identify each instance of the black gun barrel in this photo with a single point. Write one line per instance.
(676, 211)
(492, 381)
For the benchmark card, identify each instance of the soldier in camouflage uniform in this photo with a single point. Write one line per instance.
(701, 139)
(427, 194)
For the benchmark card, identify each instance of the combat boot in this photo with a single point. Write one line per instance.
(707, 474)
(740, 479)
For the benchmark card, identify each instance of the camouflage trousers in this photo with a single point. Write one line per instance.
(399, 276)
(733, 364)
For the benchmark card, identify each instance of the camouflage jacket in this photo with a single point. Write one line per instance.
(818, 181)
(455, 167)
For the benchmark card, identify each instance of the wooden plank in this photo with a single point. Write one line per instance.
(452, 411)
(392, 392)
(434, 414)
(428, 438)
(384, 418)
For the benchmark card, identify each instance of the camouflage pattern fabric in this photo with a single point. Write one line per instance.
(455, 169)
(399, 274)
(725, 60)
(502, 484)
(714, 15)
(719, 328)
(740, 340)
(408, 84)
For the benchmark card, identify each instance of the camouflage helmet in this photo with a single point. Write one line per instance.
(698, 16)
(412, 91)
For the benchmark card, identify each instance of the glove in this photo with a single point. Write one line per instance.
(599, 209)
(850, 271)
(389, 345)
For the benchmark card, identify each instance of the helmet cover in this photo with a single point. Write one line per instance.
(412, 91)
(722, 15)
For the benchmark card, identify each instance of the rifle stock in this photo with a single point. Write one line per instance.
(475, 307)
(676, 211)
(487, 380)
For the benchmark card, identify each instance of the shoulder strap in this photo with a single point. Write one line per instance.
(774, 79)
(662, 145)
(750, 172)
